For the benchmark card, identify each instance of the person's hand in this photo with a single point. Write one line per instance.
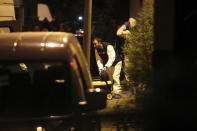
(100, 72)
(105, 68)
(127, 24)
(132, 22)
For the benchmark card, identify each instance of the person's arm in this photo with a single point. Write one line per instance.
(111, 55)
(122, 31)
(98, 61)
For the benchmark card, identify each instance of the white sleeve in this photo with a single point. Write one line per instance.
(99, 61)
(111, 55)
(122, 32)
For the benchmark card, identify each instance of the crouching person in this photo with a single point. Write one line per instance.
(107, 57)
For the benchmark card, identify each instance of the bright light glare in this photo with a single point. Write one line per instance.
(82, 102)
(52, 116)
(15, 44)
(65, 39)
(39, 128)
(80, 18)
(46, 66)
(91, 90)
(59, 81)
(51, 44)
(42, 44)
(98, 90)
(62, 45)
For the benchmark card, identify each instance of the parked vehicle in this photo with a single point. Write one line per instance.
(45, 83)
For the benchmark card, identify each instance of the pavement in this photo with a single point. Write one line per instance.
(124, 104)
(119, 114)
(122, 114)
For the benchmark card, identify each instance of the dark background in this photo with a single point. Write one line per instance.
(69, 10)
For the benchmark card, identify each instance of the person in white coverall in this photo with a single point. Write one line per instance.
(107, 57)
(123, 32)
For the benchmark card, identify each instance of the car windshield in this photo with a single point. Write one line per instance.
(35, 89)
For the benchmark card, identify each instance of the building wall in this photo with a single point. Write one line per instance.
(136, 6)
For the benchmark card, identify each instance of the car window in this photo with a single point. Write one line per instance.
(35, 89)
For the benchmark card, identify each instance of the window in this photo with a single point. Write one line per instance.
(35, 88)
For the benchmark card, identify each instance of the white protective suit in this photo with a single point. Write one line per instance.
(123, 32)
(111, 60)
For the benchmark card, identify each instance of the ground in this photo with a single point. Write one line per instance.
(120, 114)
(125, 103)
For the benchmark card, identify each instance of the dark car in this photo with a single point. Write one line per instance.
(45, 83)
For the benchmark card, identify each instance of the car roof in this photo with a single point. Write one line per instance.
(36, 45)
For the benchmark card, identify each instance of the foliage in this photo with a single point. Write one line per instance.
(138, 47)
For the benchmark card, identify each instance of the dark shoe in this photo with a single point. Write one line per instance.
(116, 96)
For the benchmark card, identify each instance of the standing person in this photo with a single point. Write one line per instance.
(107, 57)
(122, 32)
